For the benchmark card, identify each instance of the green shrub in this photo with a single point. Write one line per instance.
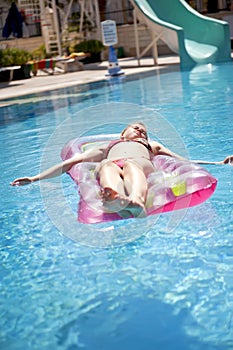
(89, 46)
(1, 54)
(39, 53)
(14, 57)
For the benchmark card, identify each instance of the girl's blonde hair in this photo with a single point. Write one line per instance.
(140, 123)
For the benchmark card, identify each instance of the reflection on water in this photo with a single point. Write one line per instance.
(160, 290)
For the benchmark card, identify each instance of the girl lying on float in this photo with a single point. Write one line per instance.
(120, 178)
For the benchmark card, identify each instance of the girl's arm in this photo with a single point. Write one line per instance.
(58, 169)
(227, 160)
(159, 149)
(54, 171)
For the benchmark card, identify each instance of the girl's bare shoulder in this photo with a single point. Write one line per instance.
(156, 146)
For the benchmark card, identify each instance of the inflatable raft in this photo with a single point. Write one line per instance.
(174, 184)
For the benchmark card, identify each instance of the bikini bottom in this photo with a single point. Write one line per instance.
(119, 162)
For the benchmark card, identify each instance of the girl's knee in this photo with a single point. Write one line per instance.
(131, 164)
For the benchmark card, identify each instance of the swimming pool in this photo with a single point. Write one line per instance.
(165, 283)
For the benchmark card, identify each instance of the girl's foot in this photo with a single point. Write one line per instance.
(137, 208)
(113, 201)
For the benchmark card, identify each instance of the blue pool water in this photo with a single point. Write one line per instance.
(158, 283)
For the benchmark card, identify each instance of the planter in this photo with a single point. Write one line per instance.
(13, 57)
(23, 73)
(91, 47)
(93, 58)
(4, 76)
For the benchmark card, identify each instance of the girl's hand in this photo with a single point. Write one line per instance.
(21, 181)
(228, 160)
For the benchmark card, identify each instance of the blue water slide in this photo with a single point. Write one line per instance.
(197, 39)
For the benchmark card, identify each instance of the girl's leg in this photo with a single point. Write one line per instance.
(123, 190)
(110, 177)
(135, 183)
(112, 185)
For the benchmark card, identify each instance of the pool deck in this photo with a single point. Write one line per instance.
(91, 73)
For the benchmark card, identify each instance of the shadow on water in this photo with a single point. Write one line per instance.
(38, 104)
(132, 323)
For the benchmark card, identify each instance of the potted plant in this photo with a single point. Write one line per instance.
(92, 47)
(16, 57)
